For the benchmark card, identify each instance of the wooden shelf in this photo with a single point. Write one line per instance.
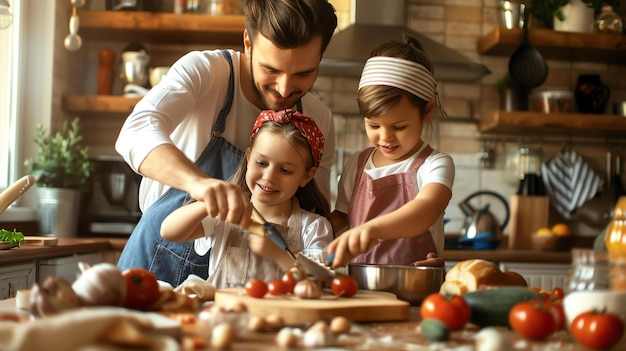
(98, 103)
(519, 122)
(157, 27)
(597, 47)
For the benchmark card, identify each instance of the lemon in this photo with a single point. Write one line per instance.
(544, 231)
(560, 229)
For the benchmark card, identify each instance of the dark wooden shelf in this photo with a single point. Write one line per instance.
(98, 103)
(162, 28)
(597, 47)
(516, 122)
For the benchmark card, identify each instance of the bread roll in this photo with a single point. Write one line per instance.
(475, 274)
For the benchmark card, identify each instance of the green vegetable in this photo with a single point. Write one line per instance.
(491, 307)
(435, 330)
(14, 237)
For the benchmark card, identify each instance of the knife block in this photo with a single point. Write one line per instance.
(528, 214)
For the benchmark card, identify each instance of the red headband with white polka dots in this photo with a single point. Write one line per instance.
(306, 126)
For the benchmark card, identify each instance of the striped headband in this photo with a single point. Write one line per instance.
(306, 126)
(403, 74)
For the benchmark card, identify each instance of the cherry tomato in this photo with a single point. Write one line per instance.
(290, 279)
(142, 288)
(344, 286)
(558, 293)
(276, 287)
(256, 288)
(597, 330)
(533, 319)
(453, 311)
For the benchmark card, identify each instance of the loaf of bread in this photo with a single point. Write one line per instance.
(476, 274)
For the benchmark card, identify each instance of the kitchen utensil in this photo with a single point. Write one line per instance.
(40, 240)
(13, 192)
(364, 306)
(527, 67)
(322, 272)
(482, 225)
(408, 283)
(272, 233)
(135, 71)
(596, 212)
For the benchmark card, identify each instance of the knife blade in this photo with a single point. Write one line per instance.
(272, 233)
(319, 270)
(15, 190)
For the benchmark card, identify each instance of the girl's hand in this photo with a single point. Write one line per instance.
(263, 246)
(353, 242)
(432, 260)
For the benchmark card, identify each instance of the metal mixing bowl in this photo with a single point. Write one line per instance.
(408, 283)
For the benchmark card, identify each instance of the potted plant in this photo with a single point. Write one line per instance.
(572, 16)
(62, 170)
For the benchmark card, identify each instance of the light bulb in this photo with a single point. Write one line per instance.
(73, 42)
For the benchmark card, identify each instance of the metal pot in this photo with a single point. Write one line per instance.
(408, 283)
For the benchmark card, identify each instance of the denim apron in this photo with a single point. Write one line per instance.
(173, 262)
(375, 197)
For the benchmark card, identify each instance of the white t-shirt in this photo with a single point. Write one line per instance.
(183, 108)
(437, 168)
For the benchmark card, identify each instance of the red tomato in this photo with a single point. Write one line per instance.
(142, 288)
(344, 286)
(290, 279)
(597, 330)
(256, 288)
(453, 311)
(533, 319)
(556, 307)
(276, 287)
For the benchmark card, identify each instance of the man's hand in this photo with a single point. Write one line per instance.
(224, 200)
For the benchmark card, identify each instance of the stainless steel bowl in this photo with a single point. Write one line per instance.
(408, 283)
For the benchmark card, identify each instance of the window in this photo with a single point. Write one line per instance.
(9, 41)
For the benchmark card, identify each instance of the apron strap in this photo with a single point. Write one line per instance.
(220, 124)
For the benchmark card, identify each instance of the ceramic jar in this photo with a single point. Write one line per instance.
(591, 95)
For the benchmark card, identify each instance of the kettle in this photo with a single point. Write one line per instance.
(481, 228)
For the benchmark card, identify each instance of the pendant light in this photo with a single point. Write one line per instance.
(6, 17)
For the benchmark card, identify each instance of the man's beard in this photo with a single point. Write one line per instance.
(259, 92)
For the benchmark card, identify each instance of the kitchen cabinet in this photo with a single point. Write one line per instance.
(65, 267)
(152, 27)
(597, 47)
(14, 277)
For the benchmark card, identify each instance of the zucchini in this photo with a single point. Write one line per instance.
(492, 307)
(435, 330)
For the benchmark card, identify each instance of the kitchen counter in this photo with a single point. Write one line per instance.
(390, 336)
(69, 246)
(65, 247)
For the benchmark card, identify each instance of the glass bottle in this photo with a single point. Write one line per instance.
(608, 21)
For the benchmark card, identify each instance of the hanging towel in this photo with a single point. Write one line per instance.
(569, 182)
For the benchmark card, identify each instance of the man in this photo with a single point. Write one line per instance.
(186, 135)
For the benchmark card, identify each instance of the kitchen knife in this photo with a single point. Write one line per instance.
(15, 190)
(272, 233)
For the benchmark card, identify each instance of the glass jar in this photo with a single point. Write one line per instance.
(595, 270)
(608, 21)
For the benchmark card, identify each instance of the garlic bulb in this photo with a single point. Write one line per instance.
(308, 289)
(54, 295)
(100, 285)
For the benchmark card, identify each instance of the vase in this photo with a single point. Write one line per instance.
(591, 94)
(578, 18)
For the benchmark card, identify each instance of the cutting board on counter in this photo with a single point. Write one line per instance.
(364, 306)
(40, 240)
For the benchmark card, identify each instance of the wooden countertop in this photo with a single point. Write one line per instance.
(70, 246)
(391, 336)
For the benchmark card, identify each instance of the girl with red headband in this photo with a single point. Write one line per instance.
(277, 172)
(392, 196)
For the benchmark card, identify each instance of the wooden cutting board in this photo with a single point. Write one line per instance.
(365, 306)
(40, 240)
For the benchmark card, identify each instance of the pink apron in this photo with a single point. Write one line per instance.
(374, 197)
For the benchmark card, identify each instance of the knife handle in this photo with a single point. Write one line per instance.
(15, 190)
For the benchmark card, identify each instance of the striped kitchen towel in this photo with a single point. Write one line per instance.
(569, 182)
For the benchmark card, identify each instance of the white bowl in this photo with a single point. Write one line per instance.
(577, 302)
